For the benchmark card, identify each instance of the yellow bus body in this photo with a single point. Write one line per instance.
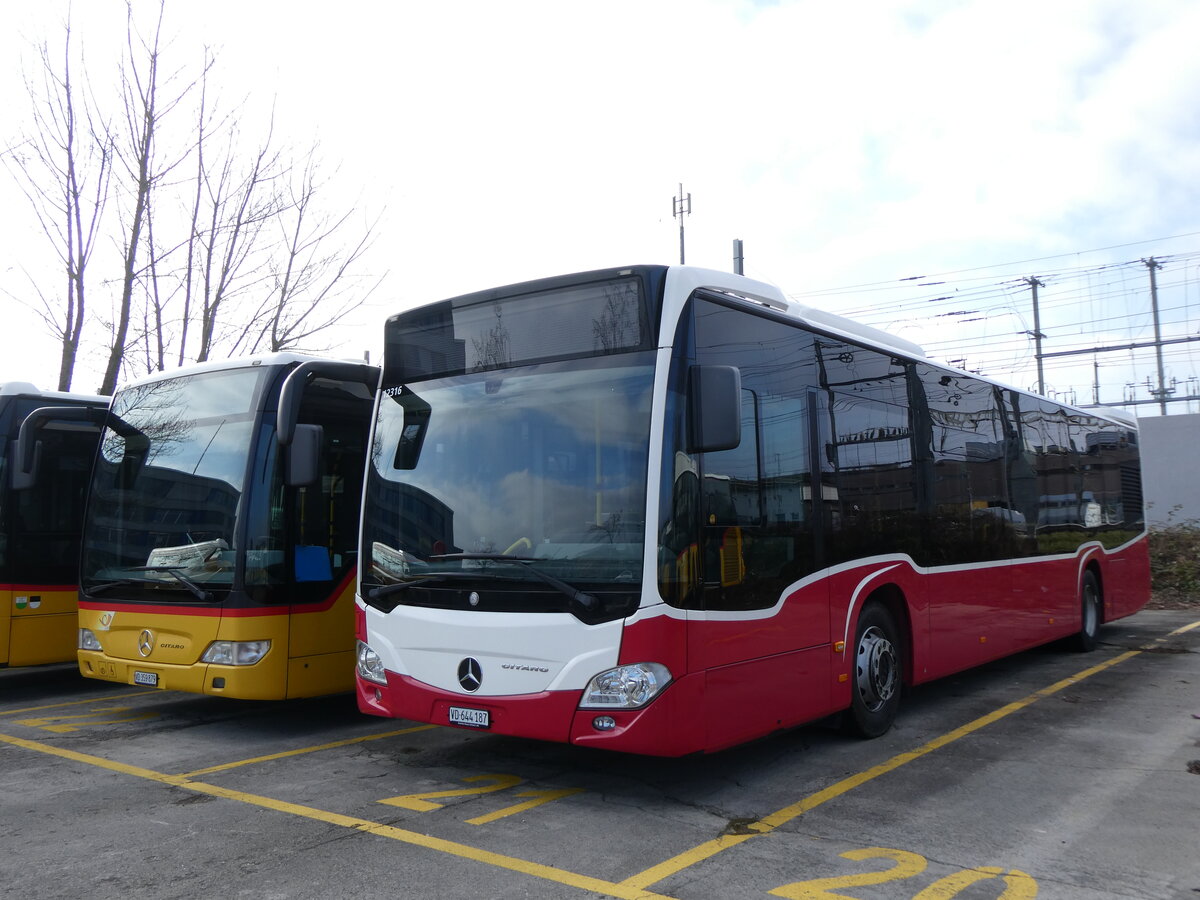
(311, 654)
(38, 625)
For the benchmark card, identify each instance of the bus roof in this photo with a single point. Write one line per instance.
(269, 360)
(681, 281)
(689, 278)
(26, 389)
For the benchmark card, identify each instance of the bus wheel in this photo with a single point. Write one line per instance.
(1089, 602)
(877, 667)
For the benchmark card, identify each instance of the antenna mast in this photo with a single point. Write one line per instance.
(681, 206)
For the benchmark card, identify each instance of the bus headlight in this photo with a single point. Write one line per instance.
(626, 687)
(87, 640)
(370, 666)
(235, 653)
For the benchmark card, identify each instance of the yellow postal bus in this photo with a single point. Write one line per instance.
(221, 531)
(40, 522)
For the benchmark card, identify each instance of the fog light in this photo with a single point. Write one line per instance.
(604, 723)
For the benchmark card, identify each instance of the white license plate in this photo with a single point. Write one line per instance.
(476, 718)
(147, 678)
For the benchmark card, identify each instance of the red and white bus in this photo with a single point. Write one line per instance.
(667, 510)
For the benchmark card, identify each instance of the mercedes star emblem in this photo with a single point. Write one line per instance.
(146, 642)
(470, 674)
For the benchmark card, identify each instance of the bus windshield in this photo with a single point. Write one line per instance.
(511, 475)
(168, 482)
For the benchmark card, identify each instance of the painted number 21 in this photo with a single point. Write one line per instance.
(1017, 885)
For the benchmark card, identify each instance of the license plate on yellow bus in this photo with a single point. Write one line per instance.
(473, 718)
(150, 679)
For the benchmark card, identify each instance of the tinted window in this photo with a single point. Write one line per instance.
(757, 531)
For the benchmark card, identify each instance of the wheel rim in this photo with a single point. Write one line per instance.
(877, 670)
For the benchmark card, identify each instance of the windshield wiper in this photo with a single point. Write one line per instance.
(589, 602)
(120, 582)
(174, 572)
(383, 590)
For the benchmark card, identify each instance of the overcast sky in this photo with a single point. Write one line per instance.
(845, 144)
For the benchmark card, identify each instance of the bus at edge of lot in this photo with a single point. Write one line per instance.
(39, 529)
(220, 535)
(666, 510)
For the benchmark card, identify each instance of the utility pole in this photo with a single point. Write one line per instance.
(738, 257)
(1153, 265)
(1037, 333)
(681, 206)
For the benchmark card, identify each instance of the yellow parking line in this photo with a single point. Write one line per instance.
(286, 753)
(525, 867)
(769, 823)
(634, 887)
(29, 709)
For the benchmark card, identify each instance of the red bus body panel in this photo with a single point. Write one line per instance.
(747, 675)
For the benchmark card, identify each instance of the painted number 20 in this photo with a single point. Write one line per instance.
(1017, 885)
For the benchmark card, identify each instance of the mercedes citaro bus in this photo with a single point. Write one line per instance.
(668, 510)
(220, 538)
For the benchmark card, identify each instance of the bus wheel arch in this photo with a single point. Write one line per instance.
(879, 656)
(1091, 609)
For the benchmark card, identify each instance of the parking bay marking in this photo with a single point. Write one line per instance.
(65, 724)
(30, 709)
(499, 860)
(769, 823)
(1017, 884)
(283, 754)
(689, 858)
(635, 887)
(424, 802)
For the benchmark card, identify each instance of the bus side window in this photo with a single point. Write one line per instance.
(756, 516)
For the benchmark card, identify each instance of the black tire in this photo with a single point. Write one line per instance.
(1091, 606)
(877, 676)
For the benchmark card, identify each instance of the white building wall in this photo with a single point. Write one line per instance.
(1170, 475)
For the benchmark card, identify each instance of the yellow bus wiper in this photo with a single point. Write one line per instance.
(174, 572)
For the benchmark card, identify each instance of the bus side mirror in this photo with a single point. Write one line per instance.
(303, 466)
(26, 450)
(412, 435)
(715, 408)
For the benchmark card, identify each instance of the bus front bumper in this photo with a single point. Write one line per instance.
(659, 729)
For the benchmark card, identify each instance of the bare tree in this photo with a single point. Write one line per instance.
(241, 204)
(311, 284)
(142, 112)
(63, 165)
(219, 251)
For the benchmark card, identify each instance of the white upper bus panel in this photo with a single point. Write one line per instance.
(683, 280)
